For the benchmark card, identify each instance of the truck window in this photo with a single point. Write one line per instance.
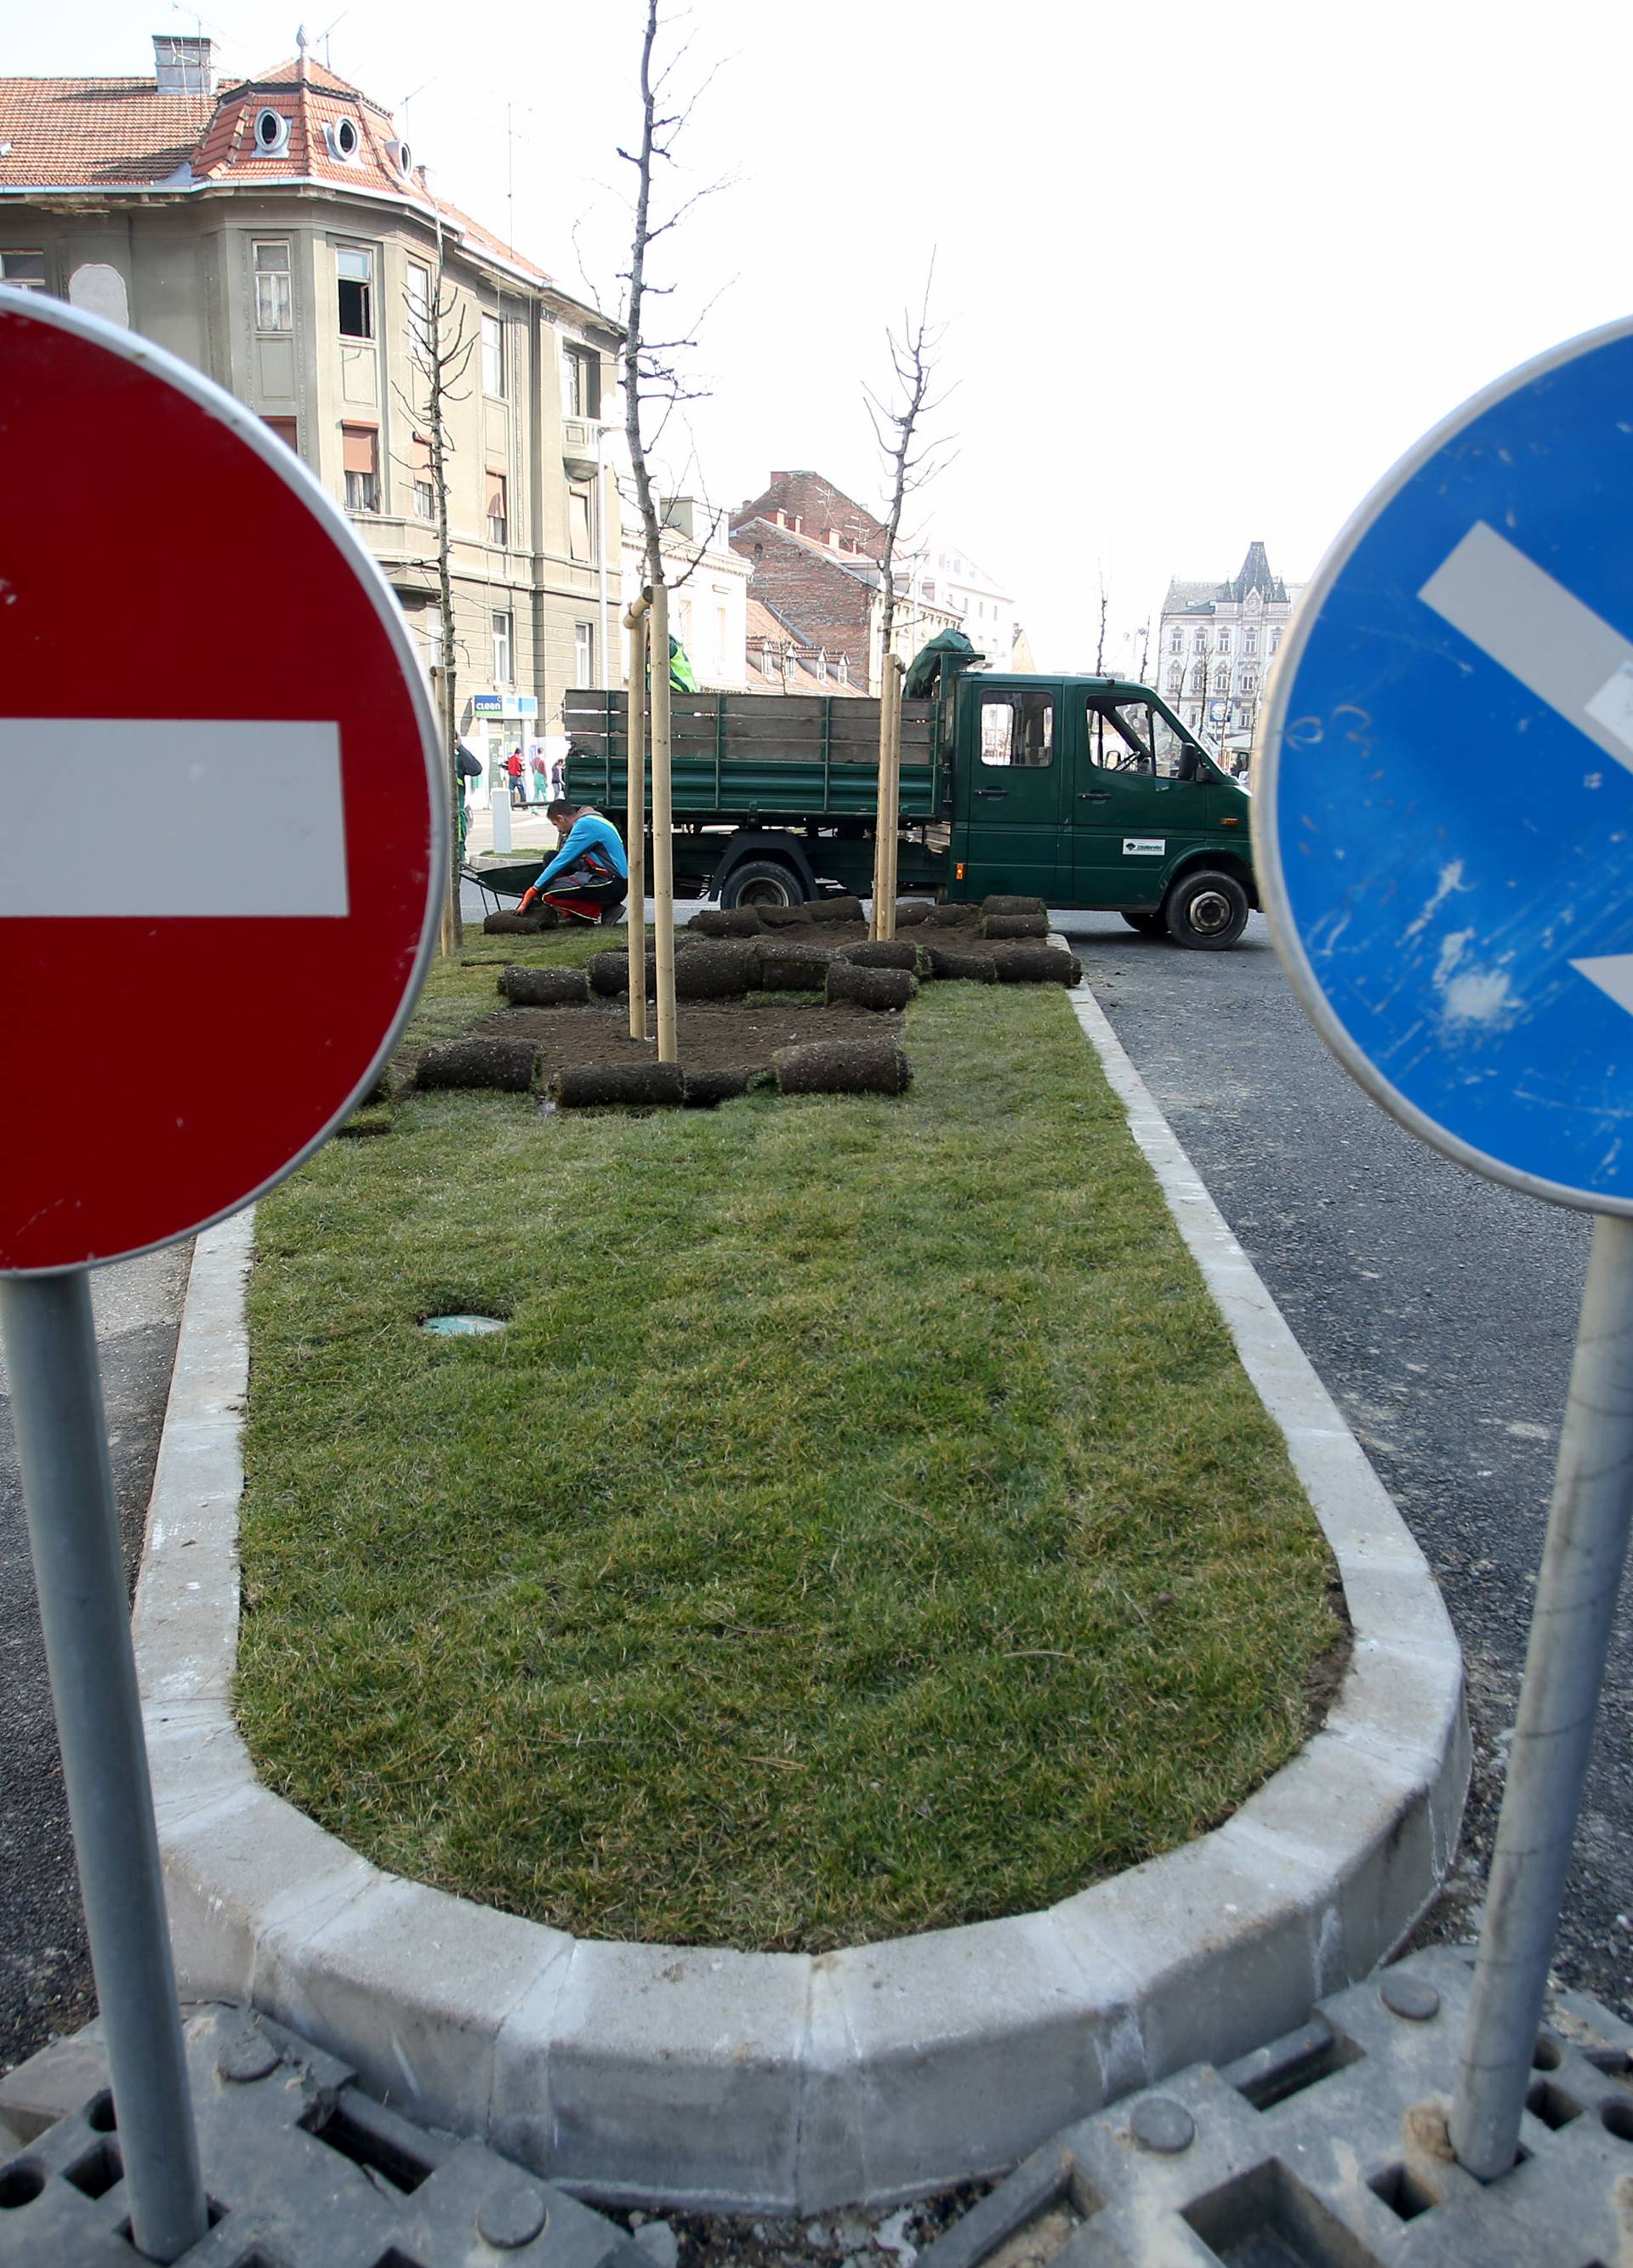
(1132, 736)
(1017, 728)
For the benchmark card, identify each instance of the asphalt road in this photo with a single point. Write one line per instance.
(1440, 1310)
(45, 1970)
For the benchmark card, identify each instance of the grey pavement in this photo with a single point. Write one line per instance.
(1439, 1310)
(45, 1970)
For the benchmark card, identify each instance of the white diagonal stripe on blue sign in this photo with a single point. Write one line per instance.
(1532, 626)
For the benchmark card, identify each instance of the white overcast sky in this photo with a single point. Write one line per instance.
(1205, 272)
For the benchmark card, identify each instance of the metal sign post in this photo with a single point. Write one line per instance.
(1444, 837)
(267, 829)
(73, 1531)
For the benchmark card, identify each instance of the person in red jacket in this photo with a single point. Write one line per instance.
(518, 790)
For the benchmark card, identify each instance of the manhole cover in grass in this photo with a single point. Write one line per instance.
(462, 1327)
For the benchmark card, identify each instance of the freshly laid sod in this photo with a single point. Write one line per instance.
(862, 1526)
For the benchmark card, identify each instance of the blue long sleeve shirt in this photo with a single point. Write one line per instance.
(591, 838)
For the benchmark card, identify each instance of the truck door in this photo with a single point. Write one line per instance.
(1141, 798)
(1008, 833)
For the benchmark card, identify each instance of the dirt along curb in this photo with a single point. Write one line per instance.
(780, 2082)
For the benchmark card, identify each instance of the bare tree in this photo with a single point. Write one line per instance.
(440, 346)
(653, 377)
(911, 461)
(1099, 651)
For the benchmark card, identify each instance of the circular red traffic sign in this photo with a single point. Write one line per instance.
(222, 832)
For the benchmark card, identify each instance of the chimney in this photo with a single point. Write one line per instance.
(680, 513)
(184, 66)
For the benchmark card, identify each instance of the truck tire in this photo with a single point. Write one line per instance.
(1206, 910)
(1148, 924)
(762, 882)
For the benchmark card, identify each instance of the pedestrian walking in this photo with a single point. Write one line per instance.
(517, 789)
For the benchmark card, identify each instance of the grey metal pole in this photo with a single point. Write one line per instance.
(62, 1443)
(1582, 1562)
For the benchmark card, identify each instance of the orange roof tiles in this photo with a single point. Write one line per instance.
(69, 132)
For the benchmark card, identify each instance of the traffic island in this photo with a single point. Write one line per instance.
(834, 2068)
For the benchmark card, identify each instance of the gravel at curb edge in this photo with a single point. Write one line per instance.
(780, 2082)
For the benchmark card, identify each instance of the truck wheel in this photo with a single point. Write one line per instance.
(762, 882)
(1153, 924)
(1207, 912)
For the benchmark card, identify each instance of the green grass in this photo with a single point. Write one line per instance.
(863, 1526)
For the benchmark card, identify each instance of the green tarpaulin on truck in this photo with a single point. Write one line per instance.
(927, 661)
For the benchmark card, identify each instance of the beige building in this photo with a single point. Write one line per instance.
(277, 235)
(1215, 644)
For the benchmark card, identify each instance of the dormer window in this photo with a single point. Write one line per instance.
(271, 134)
(402, 157)
(344, 141)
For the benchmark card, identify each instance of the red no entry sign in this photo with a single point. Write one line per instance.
(222, 817)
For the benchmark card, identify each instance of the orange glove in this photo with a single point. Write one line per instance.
(527, 897)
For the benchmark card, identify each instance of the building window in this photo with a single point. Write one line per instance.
(499, 516)
(1176, 642)
(1224, 641)
(274, 297)
(1249, 684)
(1222, 681)
(26, 270)
(271, 134)
(421, 473)
(580, 517)
(1250, 641)
(360, 456)
(417, 294)
(1274, 641)
(580, 382)
(768, 662)
(584, 653)
(501, 649)
(354, 269)
(1201, 641)
(288, 433)
(492, 356)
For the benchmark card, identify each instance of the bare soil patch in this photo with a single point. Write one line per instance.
(709, 1035)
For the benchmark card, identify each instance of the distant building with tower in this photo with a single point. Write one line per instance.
(1215, 644)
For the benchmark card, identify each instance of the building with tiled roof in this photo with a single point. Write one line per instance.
(1217, 642)
(278, 233)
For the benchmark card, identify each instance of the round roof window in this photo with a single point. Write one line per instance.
(272, 132)
(346, 137)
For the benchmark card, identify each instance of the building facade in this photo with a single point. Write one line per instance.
(708, 597)
(277, 235)
(1215, 644)
(815, 554)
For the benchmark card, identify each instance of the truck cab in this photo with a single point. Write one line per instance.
(1089, 791)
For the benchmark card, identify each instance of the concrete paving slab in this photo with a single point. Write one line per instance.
(773, 2082)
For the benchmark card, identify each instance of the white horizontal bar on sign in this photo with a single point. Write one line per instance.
(1541, 633)
(169, 818)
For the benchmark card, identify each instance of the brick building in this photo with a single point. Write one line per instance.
(815, 554)
(277, 235)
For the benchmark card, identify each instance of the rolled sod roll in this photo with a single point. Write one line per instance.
(627, 1085)
(720, 969)
(910, 911)
(546, 988)
(950, 916)
(712, 921)
(744, 921)
(609, 974)
(705, 1088)
(844, 909)
(1035, 964)
(950, 964)
(795, 967)
(1012, 905)
(514, 925)
(888, 952)
(869, 988)
(781, 917)
(843, 1067)
(1013, 925)
(505, 1064)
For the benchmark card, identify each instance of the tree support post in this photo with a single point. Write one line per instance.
(635, 814)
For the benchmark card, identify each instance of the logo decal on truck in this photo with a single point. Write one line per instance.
(1144, 846)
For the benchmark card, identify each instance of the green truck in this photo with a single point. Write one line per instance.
(1081, 791)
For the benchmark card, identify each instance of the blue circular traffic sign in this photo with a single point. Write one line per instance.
(1443, 821)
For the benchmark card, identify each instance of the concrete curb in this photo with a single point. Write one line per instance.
(771, 2082)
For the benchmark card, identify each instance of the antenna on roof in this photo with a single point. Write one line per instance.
(324, 34)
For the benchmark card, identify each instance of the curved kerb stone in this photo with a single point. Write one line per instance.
(781, 2082)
